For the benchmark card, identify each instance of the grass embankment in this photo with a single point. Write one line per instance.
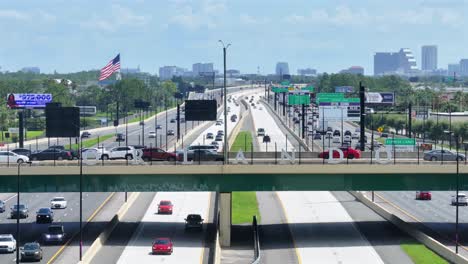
(29, 135)
(420, 254)
(243, 141)
(90, 142)
(244, 207)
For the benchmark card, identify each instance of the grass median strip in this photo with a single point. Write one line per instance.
(90, 142)
(244, 207)
(420, 254)
(243, 141)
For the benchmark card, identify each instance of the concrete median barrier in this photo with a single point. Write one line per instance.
(411, 230)
(102, 238)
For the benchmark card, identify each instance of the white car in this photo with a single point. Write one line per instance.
(11, 157)
(336, 139)
(122, 152)
(102, 153)
(462, 200)
(58, 203)
(355, 136)
(152, 134)
(7, 243)
(347, 139)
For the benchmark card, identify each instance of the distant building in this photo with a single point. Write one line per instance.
(401, 63)
(429, 58)
(197, 68)
(307, 72)
(232, 73)
(130, 70)
(354, 70)
(464, 67)
(36, 70)
(282, 68)
(167, 72)
(453, 69)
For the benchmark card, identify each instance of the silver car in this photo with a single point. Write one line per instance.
(436, 155)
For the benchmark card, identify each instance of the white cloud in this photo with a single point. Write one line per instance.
(194, 15)
(120, 17)
(251, 20)
(13, 14)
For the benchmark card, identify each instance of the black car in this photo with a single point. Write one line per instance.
(347, 133)
(52, 154)
(20, 211)
(75, 154)
(31, 251)
(85, 134)
(44, 215)
(22, 151)
(329, 129)
(2, 206)
(317, 136)
(336, 133)
(194, 221)
(202, 155)
(170, 132)
(172, 120)
(119, 137)
(55, 233)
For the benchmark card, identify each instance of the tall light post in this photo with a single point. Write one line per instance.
(225, 147)
(18, 211)
(458, 187)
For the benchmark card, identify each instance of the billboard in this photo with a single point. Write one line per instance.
(15, 100)
(200, 110)
(344, 89)
(62, 121)
(380, 98)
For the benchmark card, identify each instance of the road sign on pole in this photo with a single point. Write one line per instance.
(296, 99)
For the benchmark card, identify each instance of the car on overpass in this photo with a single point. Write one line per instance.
(31, 251)
(423, 195)
(462, 199)
(194, 221)
(165, 207)
(348, 153)
(54, 234)
(52, 154)
(19, 211)
(158, 154)
(202, 155)
(446, 155)
(44, 215)
(197, 147)
(75, 154)
(22, 151)
(100, 153)
(11, 157)
(124, 152)
(58, 203)
(2, 206)
(7, 243)
(162, 245)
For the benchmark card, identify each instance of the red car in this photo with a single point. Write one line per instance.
(157, 154)
(165, 207)
(348, 153)
(162, 245)
(423, 195)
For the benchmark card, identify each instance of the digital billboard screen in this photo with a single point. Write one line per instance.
(200, 110)
(27, 100)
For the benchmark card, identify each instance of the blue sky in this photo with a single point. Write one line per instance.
(328, 35)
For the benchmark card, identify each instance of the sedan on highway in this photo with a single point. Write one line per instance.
(152, 134)
(317, 136)
(209, 135)
(52, 154)
(162, 245)
(435, 155)
(194, 221)
(423, 195)
(7, 243)
(170, 132)
(55, 233)
(219, 138)
(157, 154)
(158, 127)
(119, 137)
(31, 251)
(11, 157)
(173, 120)
(348, 153)
(58, 203)
(44, 215)
(165, 207)
(19, 210)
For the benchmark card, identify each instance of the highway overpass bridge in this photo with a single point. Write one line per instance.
(228, 178)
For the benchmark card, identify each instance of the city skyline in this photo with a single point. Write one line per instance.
(327, 36)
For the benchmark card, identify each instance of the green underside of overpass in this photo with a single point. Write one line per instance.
(231, 182)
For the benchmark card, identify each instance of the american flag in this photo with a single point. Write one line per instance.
(111, 67)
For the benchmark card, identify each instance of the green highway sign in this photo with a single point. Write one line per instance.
(285, 83)
(279, 90)
(338, 100)
(296, 99)
(400, 141)
(308, 88)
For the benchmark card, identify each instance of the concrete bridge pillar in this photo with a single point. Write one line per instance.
(225, 219)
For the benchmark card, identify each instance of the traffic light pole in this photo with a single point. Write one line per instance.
(362, 98)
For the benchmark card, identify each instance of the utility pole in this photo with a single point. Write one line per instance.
(362, 97)
(225, 148)
(410, 110)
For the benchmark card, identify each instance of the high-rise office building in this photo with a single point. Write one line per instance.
(464, 67)
(167, 72)
(402, 62)
(307, 72)
(198, 68)
(453, 69)
(36, 70)
(429, 58)
(282, 68)
(354, 70)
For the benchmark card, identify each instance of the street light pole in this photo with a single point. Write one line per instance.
(225, 148)
(458, 187)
